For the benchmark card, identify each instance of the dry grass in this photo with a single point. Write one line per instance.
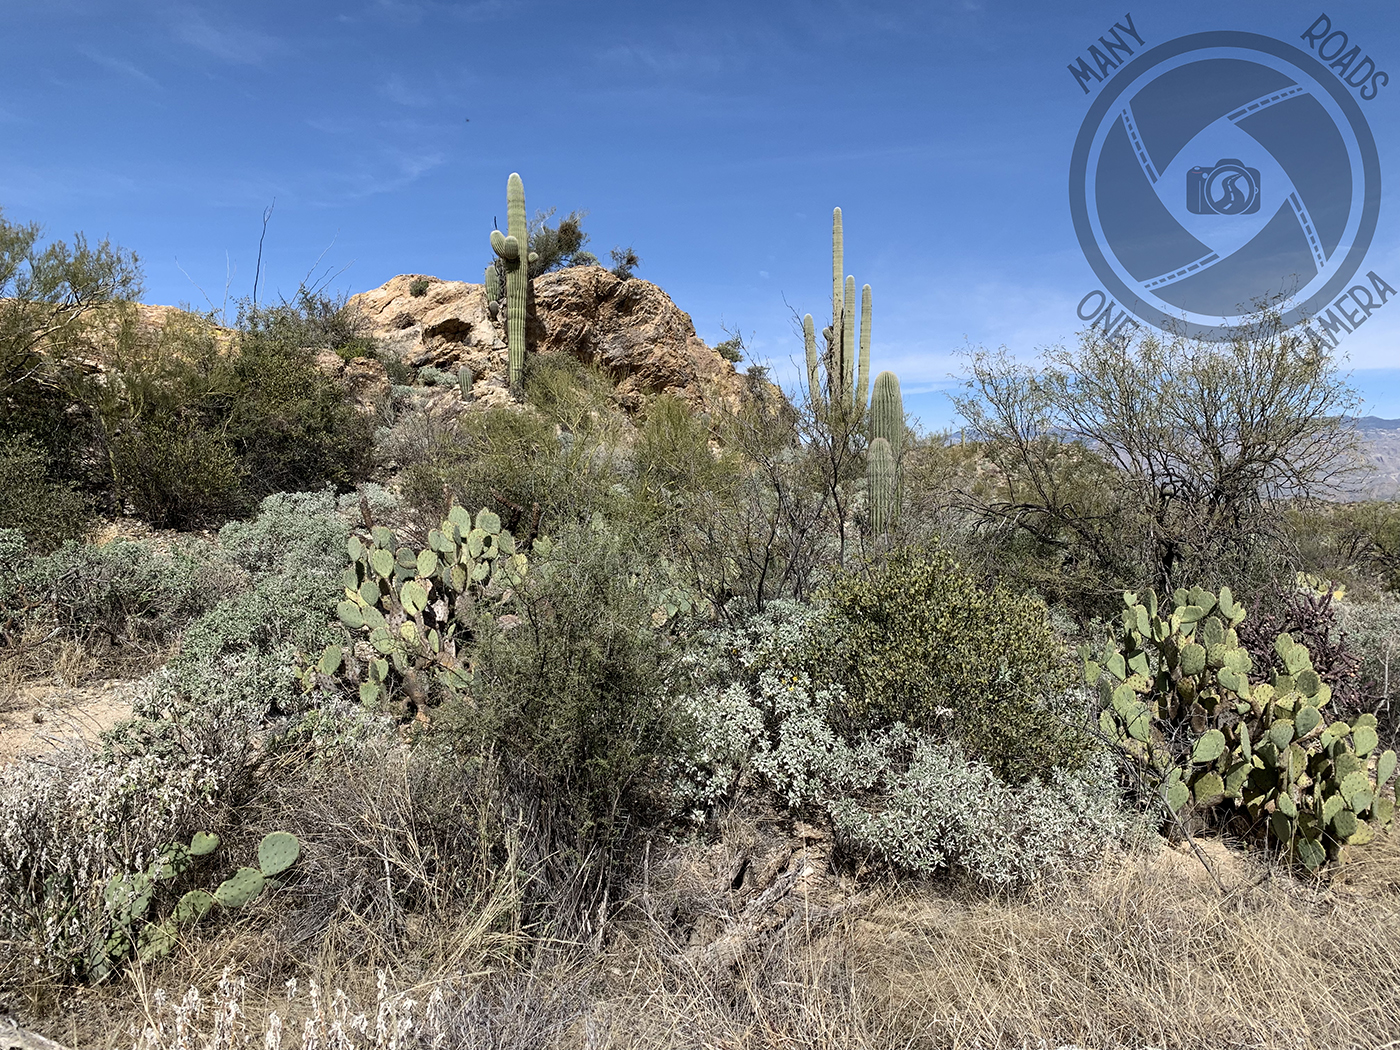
(1144, 952)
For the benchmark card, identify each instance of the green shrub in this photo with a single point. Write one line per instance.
(293, 554)
(759, 718)
(418, 287)
(731, 349)
(293, 427)
(505, 459)
(121, 597)
(916, 640)
(176, 474)
(430, 376)
(571, 682)
(47, 510)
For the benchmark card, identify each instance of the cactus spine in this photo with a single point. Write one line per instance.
(513, 249)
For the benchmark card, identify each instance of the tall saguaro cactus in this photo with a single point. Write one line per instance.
(847, 360)
(513, 248)
(841, 336)
(863, 373)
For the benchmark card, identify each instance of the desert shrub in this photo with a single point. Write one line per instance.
(758, 718)
(176, 474)
(46, 509)
(430, 376)
(293, 554)
(914, 639)
(625, 260)
(292, 426)
(509, 460)
(70, 824)
(731, 349)
(672, 456)
(569, 690)
(1373, 629)
(192, 426)
(559, 245)
(418, 287)
(123, 597)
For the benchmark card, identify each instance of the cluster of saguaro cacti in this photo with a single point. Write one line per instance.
(409, 613)
(1176, 692)
(513, 249)
(841, 400)
(128, 898)
(847, 353)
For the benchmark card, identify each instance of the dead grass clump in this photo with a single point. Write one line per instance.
(1147, 952)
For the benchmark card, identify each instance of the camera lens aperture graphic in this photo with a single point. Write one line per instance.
(1219, 171)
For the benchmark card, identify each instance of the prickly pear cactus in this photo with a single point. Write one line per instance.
(513, 248)
(1179, 692)
(128, 897)
(409, 613)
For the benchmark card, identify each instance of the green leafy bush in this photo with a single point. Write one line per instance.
(176, 474)
(916, 640)
(123, 597)
(292, 426)
(571, 682)
(418, 287)
(46, 509)
(290, 559)
(759, 718)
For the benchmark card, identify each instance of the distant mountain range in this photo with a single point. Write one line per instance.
(1382, 436)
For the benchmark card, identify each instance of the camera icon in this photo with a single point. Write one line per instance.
(1228, 188)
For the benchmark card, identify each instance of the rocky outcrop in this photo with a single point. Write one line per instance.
(629, 328)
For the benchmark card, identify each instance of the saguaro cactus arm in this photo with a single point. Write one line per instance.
(863, 375)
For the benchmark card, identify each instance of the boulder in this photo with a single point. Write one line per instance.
(629, 328)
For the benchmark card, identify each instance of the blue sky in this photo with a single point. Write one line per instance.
(714, 138)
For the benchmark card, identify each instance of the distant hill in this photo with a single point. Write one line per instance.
(1382, 437)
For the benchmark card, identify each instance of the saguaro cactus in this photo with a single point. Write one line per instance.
(493, 290)
(513, 248)
(887, 412)
(863, 375)
(884, 486)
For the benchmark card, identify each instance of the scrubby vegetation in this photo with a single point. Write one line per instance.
(595, 729)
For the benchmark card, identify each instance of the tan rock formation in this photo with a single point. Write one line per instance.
(629, 328)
